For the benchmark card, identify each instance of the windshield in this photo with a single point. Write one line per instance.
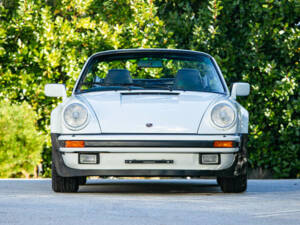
(150, 71)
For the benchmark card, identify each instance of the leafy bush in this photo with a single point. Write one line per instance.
(20, 142)
(253, 41)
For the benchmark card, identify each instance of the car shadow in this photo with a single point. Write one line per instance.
(150, 186)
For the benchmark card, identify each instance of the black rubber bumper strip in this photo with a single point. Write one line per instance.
(150, 143)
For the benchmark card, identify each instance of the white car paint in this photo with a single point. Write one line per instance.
(115, 161)
(112, 112)
(119, 113)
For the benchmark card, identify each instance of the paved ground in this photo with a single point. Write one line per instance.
(150, 202)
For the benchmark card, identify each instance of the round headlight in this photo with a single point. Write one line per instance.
(223, 115)
(75, 116)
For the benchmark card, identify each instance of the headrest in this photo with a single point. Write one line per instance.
(188, 79)
(118, 76)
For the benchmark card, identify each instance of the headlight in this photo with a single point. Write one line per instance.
(75, 116)
(223, 115)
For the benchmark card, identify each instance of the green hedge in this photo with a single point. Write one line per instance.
(21, 144)
(253, 41)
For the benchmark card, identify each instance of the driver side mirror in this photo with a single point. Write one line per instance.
(56, 90)
(240, 89)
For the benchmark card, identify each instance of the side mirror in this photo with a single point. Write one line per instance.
(240, 89)
(56, 90)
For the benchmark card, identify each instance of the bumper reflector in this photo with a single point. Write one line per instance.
(223, 144)
(209, 159)
(88, 159)
(74, 144)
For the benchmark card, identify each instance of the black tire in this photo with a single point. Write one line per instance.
(63, 184)
(236, 184)
(219, 181)
(81, 180)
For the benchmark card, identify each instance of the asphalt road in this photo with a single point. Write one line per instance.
(149, 202)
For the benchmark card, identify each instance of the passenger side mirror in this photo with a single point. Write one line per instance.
(56, 90)
(240, 89)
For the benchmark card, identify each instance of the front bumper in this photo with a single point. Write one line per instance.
(115, 149)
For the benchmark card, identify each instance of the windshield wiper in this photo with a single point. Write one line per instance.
(127, 85)
(159, 86)
(121, 84)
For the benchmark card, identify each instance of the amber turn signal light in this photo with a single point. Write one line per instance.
(74, 144)
(223, 144)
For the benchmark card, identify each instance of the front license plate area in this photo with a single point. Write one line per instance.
(138, 161)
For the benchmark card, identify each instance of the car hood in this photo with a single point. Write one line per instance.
(149, 112)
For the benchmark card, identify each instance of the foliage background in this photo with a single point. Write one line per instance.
(48, 41)
(20, 142)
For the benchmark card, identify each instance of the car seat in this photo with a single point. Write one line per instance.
(118, 76)
(189, 80)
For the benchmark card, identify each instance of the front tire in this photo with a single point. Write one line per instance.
(236, 184)
(81, 180)
(63, 184)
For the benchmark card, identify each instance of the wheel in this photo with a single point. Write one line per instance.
(219, 181)
(81, 180)
(233, 184)
(63, 184)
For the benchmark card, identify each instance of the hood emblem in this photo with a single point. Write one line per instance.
(149, 124)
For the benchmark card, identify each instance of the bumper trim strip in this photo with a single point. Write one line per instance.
(151, 143)
(148, 150)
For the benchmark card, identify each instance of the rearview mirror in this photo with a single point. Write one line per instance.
(240, 89)
(56, 90)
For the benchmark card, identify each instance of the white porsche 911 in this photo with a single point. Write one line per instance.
(149, 112)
